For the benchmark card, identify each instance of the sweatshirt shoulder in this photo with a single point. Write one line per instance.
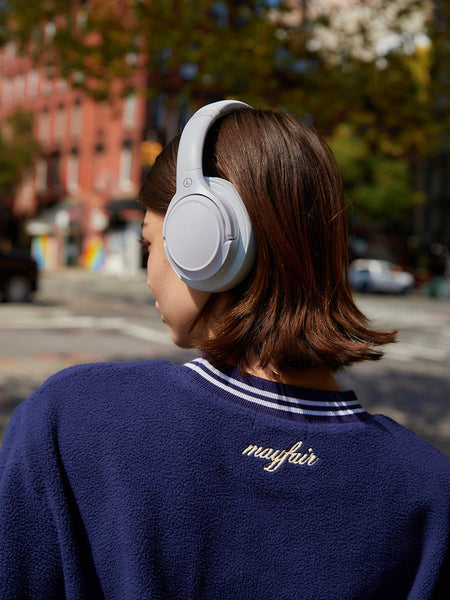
(90, 385)
(103, 374)
(91, 399)
(420, 458)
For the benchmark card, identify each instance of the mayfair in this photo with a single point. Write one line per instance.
(278, 457)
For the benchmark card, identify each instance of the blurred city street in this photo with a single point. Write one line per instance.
(79, 316)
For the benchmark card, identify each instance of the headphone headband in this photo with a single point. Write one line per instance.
(190, 153)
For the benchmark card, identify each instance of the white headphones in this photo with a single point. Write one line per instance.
(208, 236)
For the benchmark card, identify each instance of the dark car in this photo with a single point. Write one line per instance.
(19, 275)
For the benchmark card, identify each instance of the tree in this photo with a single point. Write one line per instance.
(379, 188)
(380, 67)
(361, 63)
(195, 48)
(17, 149)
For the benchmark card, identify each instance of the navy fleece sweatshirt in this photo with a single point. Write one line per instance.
(154, 481)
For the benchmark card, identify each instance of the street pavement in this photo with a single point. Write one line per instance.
(80, 317)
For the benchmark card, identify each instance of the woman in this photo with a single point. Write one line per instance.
(246, 473)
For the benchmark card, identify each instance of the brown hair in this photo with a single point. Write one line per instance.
(295, 308)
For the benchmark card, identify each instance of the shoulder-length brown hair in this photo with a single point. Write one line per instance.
(295, 308)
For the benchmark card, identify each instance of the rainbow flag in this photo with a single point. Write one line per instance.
(41, 251)
(94, 254)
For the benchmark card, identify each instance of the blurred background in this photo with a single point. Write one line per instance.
(90, 92)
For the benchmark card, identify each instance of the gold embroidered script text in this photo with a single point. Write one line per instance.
(277, 457)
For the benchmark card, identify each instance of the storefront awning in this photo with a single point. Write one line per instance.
(126, 209)
(58, 216)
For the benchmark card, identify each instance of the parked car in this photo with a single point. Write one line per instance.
(370, 275)
(19, 276)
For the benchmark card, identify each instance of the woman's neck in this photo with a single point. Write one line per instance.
(315, 379)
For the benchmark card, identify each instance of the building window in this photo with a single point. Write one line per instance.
(7, 94)
(99, 147)
(44, 126)
(54, 171)
(10, 51)
(47, 85)
(61, 85)
(19, 84)
(72, 171)
(129, 111)
(60, 122)
(125, 166)
(41, 175)
(33, 83)
(76, 121)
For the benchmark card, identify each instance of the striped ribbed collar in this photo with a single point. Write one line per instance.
(285, 401)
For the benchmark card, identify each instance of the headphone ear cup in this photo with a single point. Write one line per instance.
(208, 237)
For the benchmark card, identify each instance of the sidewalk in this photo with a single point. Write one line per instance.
(66, 282)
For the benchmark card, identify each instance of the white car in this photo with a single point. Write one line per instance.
(370, 275)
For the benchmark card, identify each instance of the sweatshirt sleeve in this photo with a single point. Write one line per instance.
(30, 561)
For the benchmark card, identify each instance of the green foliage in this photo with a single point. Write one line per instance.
(322, 66)
(190, 48)
(17, 149)
(207, 48)
(378, 187)
(199, 50)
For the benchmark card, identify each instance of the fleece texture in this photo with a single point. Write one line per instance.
(155, 481)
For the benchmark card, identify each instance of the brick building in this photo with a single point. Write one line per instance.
(78, 202)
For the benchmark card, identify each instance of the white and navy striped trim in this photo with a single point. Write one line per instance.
(271, 396)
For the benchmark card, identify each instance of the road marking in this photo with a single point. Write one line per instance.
(403, 351)
(68, 321)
